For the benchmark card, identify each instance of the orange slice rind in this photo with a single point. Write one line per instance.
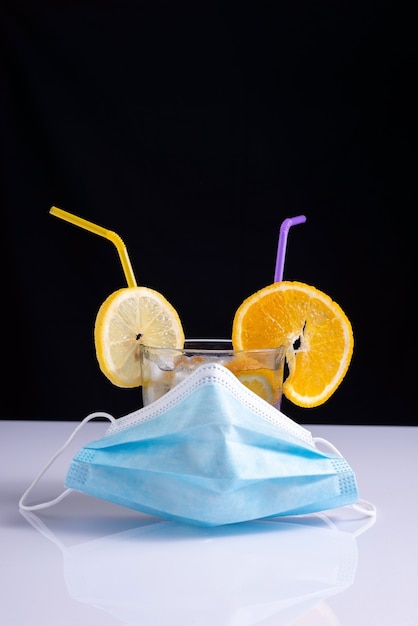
(315, 330)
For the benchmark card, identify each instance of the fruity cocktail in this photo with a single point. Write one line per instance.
(295, 320)
(259, 370)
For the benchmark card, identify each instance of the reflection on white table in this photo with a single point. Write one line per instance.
(87, 561)
(269, 572)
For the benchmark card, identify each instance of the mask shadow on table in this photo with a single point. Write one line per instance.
(261, 572)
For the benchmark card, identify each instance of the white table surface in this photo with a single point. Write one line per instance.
(86, 561)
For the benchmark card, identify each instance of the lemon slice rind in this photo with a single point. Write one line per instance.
(127, 318)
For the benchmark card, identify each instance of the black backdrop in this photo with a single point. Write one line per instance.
(193, 133)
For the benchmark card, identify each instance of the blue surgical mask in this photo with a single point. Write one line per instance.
(210, 452)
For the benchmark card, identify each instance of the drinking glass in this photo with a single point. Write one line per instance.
(261, 370)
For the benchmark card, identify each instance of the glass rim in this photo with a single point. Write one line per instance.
(204, 341)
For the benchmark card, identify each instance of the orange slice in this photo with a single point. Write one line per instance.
(127, 318)
(257, 378)
(259, 382)
(315, 330)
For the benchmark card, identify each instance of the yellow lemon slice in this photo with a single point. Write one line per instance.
(315, 329)
(127, 318)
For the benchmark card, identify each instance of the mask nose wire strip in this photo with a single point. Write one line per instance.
(44, 505)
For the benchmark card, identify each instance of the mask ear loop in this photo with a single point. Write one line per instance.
(44, 505)
(369, 511)
(327, 444)
(366, 508)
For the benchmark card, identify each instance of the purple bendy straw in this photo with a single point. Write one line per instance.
(281, 248)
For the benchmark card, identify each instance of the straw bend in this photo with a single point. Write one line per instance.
(292, 221)
(102, 232)
(281, 249)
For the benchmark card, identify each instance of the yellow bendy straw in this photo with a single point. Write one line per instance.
(103, 232)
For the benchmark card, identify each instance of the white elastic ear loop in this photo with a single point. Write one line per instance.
(327, 444)
(367, 509)
(44, 505)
